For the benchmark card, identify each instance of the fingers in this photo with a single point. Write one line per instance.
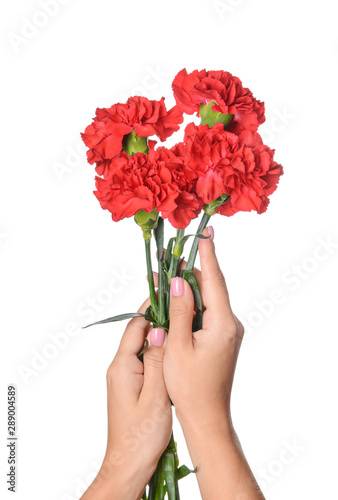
(181, 313)
(214, 287)
(154, 385)
(126, 371)
(133, 338)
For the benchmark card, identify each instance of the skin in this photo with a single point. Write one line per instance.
(139, 418)
(197, 371)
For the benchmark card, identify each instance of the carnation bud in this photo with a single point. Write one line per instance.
(147, 221)
(179, 244)
(209, 117)
(211, 207)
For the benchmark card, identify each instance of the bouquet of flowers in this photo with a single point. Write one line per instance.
(220, 167)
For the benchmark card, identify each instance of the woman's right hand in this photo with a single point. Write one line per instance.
(199, 370)
(199, 367)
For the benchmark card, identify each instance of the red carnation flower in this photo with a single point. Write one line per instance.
(146, 182)
(221, 162)
(105, 135)
(201, 87)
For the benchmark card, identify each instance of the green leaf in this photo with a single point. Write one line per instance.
(150, 315)
(179, 265)
(199, 235)
(184, 471)
(159, 237)
(191, 279)
(197, 321)
(181, 241)
(120, 317)
(144, 348)
(210, 117)
(168, 253)
(133, 144)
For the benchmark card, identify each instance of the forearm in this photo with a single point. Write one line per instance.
(222, 470)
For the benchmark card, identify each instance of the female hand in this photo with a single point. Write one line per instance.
(139, 415)
(198, 370)
(199, 367)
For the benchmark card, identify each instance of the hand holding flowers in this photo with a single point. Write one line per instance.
(221, 166)
(196, 370)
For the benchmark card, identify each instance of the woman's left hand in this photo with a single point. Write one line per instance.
(139, 415)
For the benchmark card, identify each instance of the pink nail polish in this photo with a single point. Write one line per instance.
(177, 286)
(157, 336)
(211, 233)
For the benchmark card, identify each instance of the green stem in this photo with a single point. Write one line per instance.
(156, 485)
(159, 234)
(165, 480)
(194, 247)
(177, 252)
(209, 210)
(173, 267)
(153, 299)
(152, 485)
(170, 466)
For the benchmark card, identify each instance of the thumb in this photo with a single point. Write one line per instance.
(181, 313)
(153, 363)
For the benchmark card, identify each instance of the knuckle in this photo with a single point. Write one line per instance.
(232, 329)
(240, 328)
(112, 371)
(219, 277)
(178, 309)
(153, 360)
(229, 327)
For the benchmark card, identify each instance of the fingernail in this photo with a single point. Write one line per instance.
(211, 233)
(177, 286)
(157, 336)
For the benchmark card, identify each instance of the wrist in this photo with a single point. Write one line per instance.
(119, 481)
(207, 432)
(207, 421)
(216, 453)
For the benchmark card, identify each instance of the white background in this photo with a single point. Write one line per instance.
(58, 249)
